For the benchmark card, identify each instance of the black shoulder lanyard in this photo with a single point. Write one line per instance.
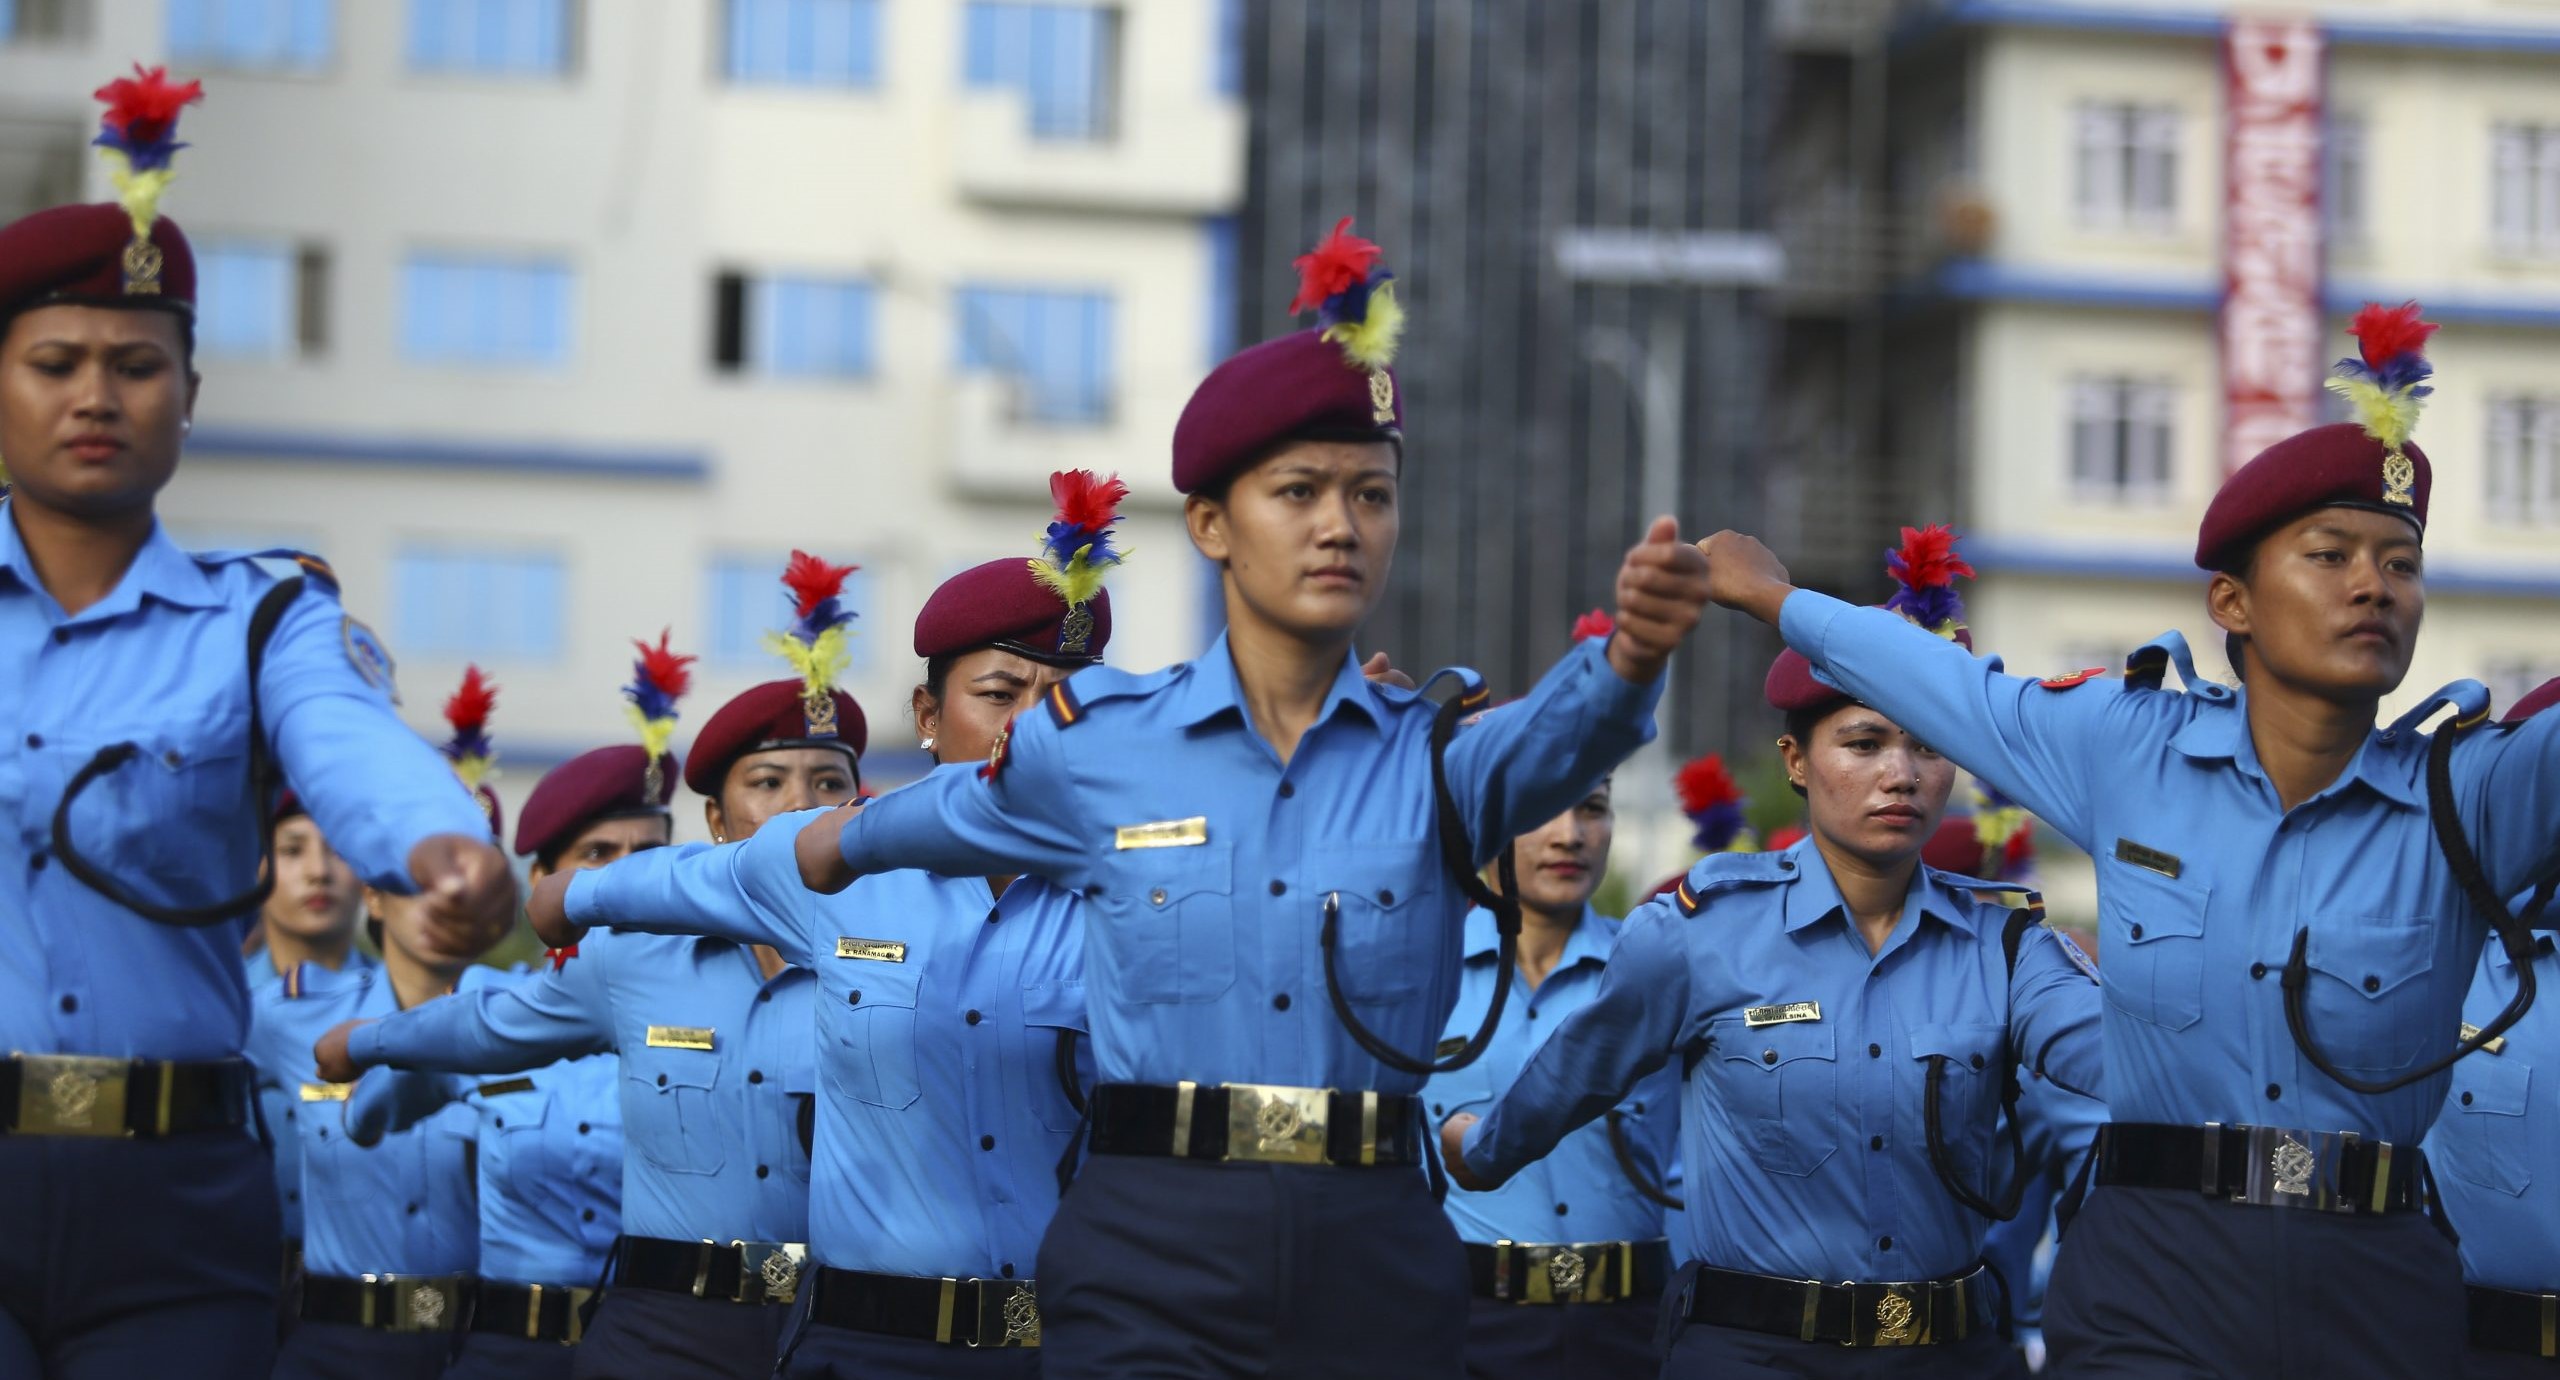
(264, 777)
(2004, 1205)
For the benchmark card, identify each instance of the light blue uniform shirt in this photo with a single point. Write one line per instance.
(408, 1205)
(1578, 1192)
(288, 1017)
(2152, 782)
(260, 970)
(1804, 1140)
(550, 1170)
(2496, 1150)
(162, 662)
(1201, 960)
(940, 1012)
(712, 1136)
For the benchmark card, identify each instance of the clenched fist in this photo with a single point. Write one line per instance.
(1745, 576)
(1662, 589)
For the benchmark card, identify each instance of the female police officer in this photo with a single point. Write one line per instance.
(1255, 833)
(2287, 943)
(143, 1237)
(1848, 1020)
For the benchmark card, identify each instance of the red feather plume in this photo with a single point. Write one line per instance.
(664, 668)
(813, 581)
(141, 106)
(1928, 558)
(1085, 499)
(2384, 333)
(468, 710)
(1704, 783)
(1596, 623)
(1337, 263)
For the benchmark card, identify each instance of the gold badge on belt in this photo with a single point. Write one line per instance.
(1022, 1318)
(1893, 1318)
(2292, 1163)
(1566, 1270)
(426, 1306)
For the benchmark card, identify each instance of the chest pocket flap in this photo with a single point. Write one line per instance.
(1057, 1005)
(2372, 956)
(1780, 1079)
(874, 1055)
(1175, 937)
(1388, 935)
(2481, 1137)
(2157, 973)
(524, 1109)
(670, 1113)
(1974, 1048)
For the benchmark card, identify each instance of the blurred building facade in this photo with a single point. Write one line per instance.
(554, 322)
(2026, 210)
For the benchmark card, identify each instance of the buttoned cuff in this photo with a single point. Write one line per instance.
(364, 1045)
(1613, 695)
(1479, 1155)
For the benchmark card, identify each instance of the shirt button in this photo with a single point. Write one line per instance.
(995, 915)
(587, 1215)
(973, 1018)
(662, 1080)
(2466, 1099)
(288, 1114)
(1786, 864)
(1156, 896)
(1008, 1269)
(2274, 1091)
(1875, 1051)
(70, 1003)
(1977, 1061)
(1278, 887)
(293, 1195)
(1093, 892)
(1386, 898)
(1884, 1243)
(1559, 1209)
(35, 740)
(853, 998)
(1280, 1002)
(2257, 970)
(1875, 1142)
(1768, 1056)
(61, 636)
(37, 862)
(582, 1128)
(2372, 983)
(1533, 1013)
(502, 1123)
(2135, 932)
(764, 996)
(413, 1209)
(755, 1075)
(763, 1170)
(1287, 790)
(986, 1142)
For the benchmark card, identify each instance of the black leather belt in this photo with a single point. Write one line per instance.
(2268, 1166)
(389, 1303)
(1931, 1312)
(2503, 1320)
(753, 1272)
(1581, 1272)
(535, 1312)
(956, 1312)
(84, 1095)
(1257, 1122)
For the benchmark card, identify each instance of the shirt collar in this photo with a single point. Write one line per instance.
(1589, 942)
(2222, 734)
(1211, 689)
(1813, 896)
(159, 570)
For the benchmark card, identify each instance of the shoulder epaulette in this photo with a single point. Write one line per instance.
(1729, 872)
(1069, 700)
(309, 566)
(1063, 706)
(293, 983)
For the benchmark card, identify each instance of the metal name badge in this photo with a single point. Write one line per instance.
(681, 1036)
(2472, 1032)
(1785, 1013)
(1163, 833)
(504, 1086)
(871, 950)
(327, 1092)
(2149, 859)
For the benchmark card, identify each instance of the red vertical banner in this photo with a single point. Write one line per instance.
(2273, 255)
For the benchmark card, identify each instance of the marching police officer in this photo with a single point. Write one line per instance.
(1271, 953)
(1848, 1022)
(147, 701)
(2290, 896)
(312, 916)
(2497, 1155)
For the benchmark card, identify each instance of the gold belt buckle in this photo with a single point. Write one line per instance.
(769, 1271)
(417, 1305)
(1272, 1124)
(1889, 1315)
(71, 1095)
(1009, 1312)
(1576, 1273)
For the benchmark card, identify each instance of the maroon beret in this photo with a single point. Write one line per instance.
(287, 806)
(1956, 848)
(601, 784)
(1299, 386)
(1000, 604)
(1791, 685)
(2540, 698)
(76, 254)
(772, 715)
(2338, 465)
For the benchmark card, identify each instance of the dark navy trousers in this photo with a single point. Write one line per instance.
(121, 1258)
(649, 1334)
(835, 1353)
(2167, 1285)
(1588, 1341)
(344, 1351)
(1164, 1269)
(487, 1356)
(1726, 1353)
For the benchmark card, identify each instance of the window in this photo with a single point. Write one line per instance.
(461, 309)
(794, 327)
(1220, 232)
(50, 21)
(2126, 170)
(286, 35)
(743, 599)
(260, 299)
(2342, 178)
(2512, 679)
(490, 37)
(804, 42)
(2121, 439)
(2524, 461)
(1229, 57)
(492, 605)
(1063, 59)
(2524, 211)
(1055, 347)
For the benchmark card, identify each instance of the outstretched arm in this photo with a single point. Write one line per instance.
(963, 820)
(496, 1029)
(748, 891)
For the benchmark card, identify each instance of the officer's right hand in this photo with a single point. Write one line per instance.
(330, 1052)
(546, 908)
(1453, 1139)
(820, 849)
(469, 890)
(1745, 576)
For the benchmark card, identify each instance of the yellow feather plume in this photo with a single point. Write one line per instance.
(138, 193)
(1371, 342)
(655, 734)
(818, 663)
(2387, 416)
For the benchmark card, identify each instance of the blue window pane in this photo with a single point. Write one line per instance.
(812, 328)
(296, 35)
(8, 20)
(464, 310)
(743, 599)
(1229, 58)
(1057, 56)
(804, 42)
(525, 37)
(1057, 347)
(497, 605)
(245, 300)
(1220, 234)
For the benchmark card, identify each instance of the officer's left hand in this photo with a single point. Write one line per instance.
(1662, 590)
(1453, 1140)
(1379, 672)
(469, 890)
(337, 1065)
